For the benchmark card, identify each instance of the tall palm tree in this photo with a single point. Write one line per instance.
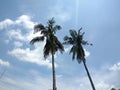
(76, 40)
(52, 43)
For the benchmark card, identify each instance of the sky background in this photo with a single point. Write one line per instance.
(22, 66)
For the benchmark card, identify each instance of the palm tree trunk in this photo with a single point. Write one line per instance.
(53, 72)
(93, 87)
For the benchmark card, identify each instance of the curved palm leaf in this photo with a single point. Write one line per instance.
(56, 27)
(58, 44)
(73, 50)
(51, 21)
(68, 40)
(38, 27)
(37, 39)
(47, 49)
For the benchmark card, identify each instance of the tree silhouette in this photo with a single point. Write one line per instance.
(52, 43)
(76, 40)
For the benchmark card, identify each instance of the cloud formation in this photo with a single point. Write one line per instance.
(4, 63)
(101, 80)
(32, 56)
(6, 23)
(20, 32)
(115, 67)
(58, 11)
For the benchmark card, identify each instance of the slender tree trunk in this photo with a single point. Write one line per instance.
(53, 72)
(93, 87)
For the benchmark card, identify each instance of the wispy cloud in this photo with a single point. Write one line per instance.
(6, 23)
(16, 34)
(87, 53)
(37, 83)
(4, 63)
(58, 11)
(25, 21)
(102, 80)
(115, 67)
(18, 44)
(33, 56)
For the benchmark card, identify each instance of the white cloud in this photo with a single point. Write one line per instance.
(36, 83)
(15, 34)
(105, 79)
(19, 36)
(83, 83)
(15, 28)
(18, 44)
(25, 21)
(33, 56)
(115, 67)
(87, 53)
(103, 86)
(4, 63)
(6, 23)
(20, 32)
(22, 24)
(67, 49)
(30, 81)
(102, 81)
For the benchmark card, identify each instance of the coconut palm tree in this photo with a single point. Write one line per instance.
(52, 43)
(76, 40)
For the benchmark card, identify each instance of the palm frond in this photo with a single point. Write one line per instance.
(51, 22)
(44, 32)
(79, 31)
(37, 39)
(59, 45)
(73, 33)
(86, 43)
(73, 51)
(68, 40)
(38, 27)
(47, 49)
(56, 27)
(80, 54)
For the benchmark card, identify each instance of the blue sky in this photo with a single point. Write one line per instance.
(23, 65)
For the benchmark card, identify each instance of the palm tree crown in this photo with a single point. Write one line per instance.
(76, 40)
(48, 32)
